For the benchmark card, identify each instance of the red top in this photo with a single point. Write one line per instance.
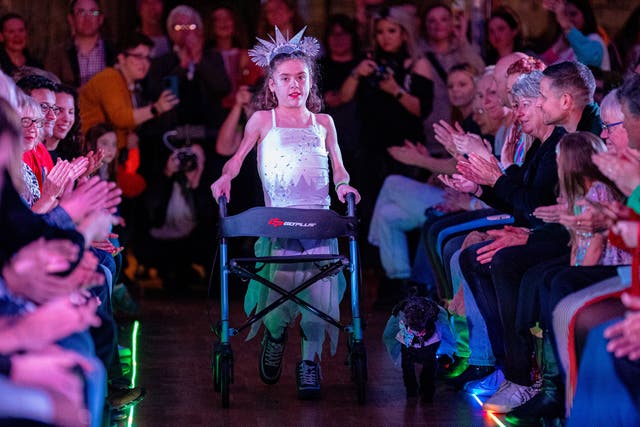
(40, 162)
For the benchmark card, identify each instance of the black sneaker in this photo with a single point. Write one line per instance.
(308, 380)
(271, 357)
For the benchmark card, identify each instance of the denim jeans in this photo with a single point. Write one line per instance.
(399, 208)
(479, 343)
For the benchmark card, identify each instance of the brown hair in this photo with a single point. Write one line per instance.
(575, 166)
(266, 100)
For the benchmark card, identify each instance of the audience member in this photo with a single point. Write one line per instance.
(279, 13)
(443, 48)
(66, 141)
(151, 16)
(87, 52)
(504, 33)
(13, 36)
(579, 39)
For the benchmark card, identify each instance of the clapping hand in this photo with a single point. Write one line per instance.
(469, 143)
(622, 168)
(444, 134)
(480, 170)
(409, 153)
(459, 183)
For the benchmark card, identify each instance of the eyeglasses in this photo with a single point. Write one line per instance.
(607, 127)
(48, 107)
(139, 56)
(185, 27)
(26, 122)
(94, 13)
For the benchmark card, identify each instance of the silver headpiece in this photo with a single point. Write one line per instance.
(266, 50)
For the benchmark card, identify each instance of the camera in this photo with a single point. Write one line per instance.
(187, 160)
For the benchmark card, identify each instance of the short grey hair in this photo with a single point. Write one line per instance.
(184, 10)
(527, 85)
(611, 104)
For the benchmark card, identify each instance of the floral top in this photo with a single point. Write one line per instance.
(31, 191)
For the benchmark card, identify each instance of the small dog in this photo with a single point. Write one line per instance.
(420, 341)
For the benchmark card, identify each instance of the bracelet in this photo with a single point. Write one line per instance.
(154, 110)
(341, 183)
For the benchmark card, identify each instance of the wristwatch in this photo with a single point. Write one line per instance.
(154, 110)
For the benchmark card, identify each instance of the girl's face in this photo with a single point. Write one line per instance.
(529, 114)
(291, 83)
(339, 41)
(389, 36)
(32, 128)
(278, 13)
(108, 144)
(66, 117)
(615, 136)
(222, 23)
(461, 88)
(439, 24)
(575, 15)
(501, 35)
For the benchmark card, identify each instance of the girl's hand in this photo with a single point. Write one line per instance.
(345, 189)
(222, 187)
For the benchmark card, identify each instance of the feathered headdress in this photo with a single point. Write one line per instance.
(266, 50)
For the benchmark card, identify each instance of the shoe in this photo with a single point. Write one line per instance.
(473, 372)
(548, 404)
(271, 357)
(308, 380)
(487, 386)
(448, 368)
(122, 397)
(509, 396)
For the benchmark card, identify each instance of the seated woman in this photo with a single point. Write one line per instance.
(400, 206)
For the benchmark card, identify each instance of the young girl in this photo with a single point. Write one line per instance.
(583, 186)
(103, 137)
(294, 145)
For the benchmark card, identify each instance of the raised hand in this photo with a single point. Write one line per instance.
(622, 168)
(409, 153)
(469, 143)
(444, 134)
(91, 195)
(459, 183)
(480, 170)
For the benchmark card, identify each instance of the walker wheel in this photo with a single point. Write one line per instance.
(223, 372)
(358, 358)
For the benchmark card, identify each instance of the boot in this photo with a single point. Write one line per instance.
(549, 402)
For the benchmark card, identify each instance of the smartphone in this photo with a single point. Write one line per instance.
(171, 82)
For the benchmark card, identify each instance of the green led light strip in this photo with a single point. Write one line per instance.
(134, 365)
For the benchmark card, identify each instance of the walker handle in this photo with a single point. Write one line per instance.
(351, 204)
(222, 206)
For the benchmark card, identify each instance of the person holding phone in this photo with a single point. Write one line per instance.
(111, 96)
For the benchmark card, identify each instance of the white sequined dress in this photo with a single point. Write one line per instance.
(294, 168)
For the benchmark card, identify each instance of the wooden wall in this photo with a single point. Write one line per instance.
(47, 18)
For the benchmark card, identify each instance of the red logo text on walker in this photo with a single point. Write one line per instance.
(276, 222)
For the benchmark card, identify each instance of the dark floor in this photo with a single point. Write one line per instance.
(174, 354)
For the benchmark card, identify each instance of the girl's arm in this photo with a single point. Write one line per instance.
(340, 174)
(252, 133)
(594, 251)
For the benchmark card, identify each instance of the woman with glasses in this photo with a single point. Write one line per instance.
(112, 96)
